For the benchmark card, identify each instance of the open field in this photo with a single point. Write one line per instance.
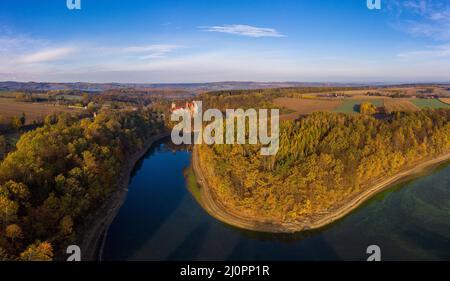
(429, 103)
(364, 97)
(387, 92)
(352, 105)
(445, 100)
(72, 97)
(353, 92)
(33, 111)
(442, 91)
(391, 105)
(384, 92)
(305, 106)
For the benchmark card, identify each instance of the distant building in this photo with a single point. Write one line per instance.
(190, 107)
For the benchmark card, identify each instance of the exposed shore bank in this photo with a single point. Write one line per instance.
(93, 236)
(210, 203)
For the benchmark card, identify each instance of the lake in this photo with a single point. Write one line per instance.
(161, 220)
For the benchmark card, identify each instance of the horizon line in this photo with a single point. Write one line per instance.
(234, 81)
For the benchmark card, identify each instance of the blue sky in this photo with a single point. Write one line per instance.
(220, 40)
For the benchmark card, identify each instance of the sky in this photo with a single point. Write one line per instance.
(181, 41)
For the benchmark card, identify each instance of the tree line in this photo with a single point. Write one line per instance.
(259, 98)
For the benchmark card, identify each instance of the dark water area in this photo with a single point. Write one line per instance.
(161, 220)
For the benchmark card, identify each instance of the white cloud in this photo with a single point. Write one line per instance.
(432, 51)
(48, 55)
(18, 43)
(82, 61)
(245, 65)
(244, 30)
(150, 51)
(27, 58)
(418, 6)
(427, 18)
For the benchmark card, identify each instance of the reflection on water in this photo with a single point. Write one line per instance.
(161, 220)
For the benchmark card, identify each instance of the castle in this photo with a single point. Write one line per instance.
(191, 108)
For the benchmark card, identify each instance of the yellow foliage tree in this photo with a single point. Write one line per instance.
(13, 231)
(40, 251)
(367, 108)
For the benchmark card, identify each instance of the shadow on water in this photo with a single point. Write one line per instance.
(160, 146)
(189, 248)
(432, 241)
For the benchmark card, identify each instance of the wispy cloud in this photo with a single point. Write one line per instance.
(427, 18)
(30, 58)
(244, 30)
(431, 51)
(17, 43)
(48, 55)
(149, 51)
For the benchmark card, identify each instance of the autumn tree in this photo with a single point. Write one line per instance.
(21, 96)
(367, 108)
(40, 251)
(66, 225)
(8, 209)
(13, 231)
(3, 146)
(3, 255)
(22, 119)
(16, 123)
(85, 98)
(50, 119)
(17, 191)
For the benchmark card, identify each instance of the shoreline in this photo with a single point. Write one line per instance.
(233, 218)
(93, 236)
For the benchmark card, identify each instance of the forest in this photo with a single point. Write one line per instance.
(61, 172)
(324, 159)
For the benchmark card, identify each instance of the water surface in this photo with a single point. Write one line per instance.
(161, 220)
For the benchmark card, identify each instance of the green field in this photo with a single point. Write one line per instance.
(71, 97)
(352, 106)
(431, 103)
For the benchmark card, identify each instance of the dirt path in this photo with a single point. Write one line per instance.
(217, 210)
